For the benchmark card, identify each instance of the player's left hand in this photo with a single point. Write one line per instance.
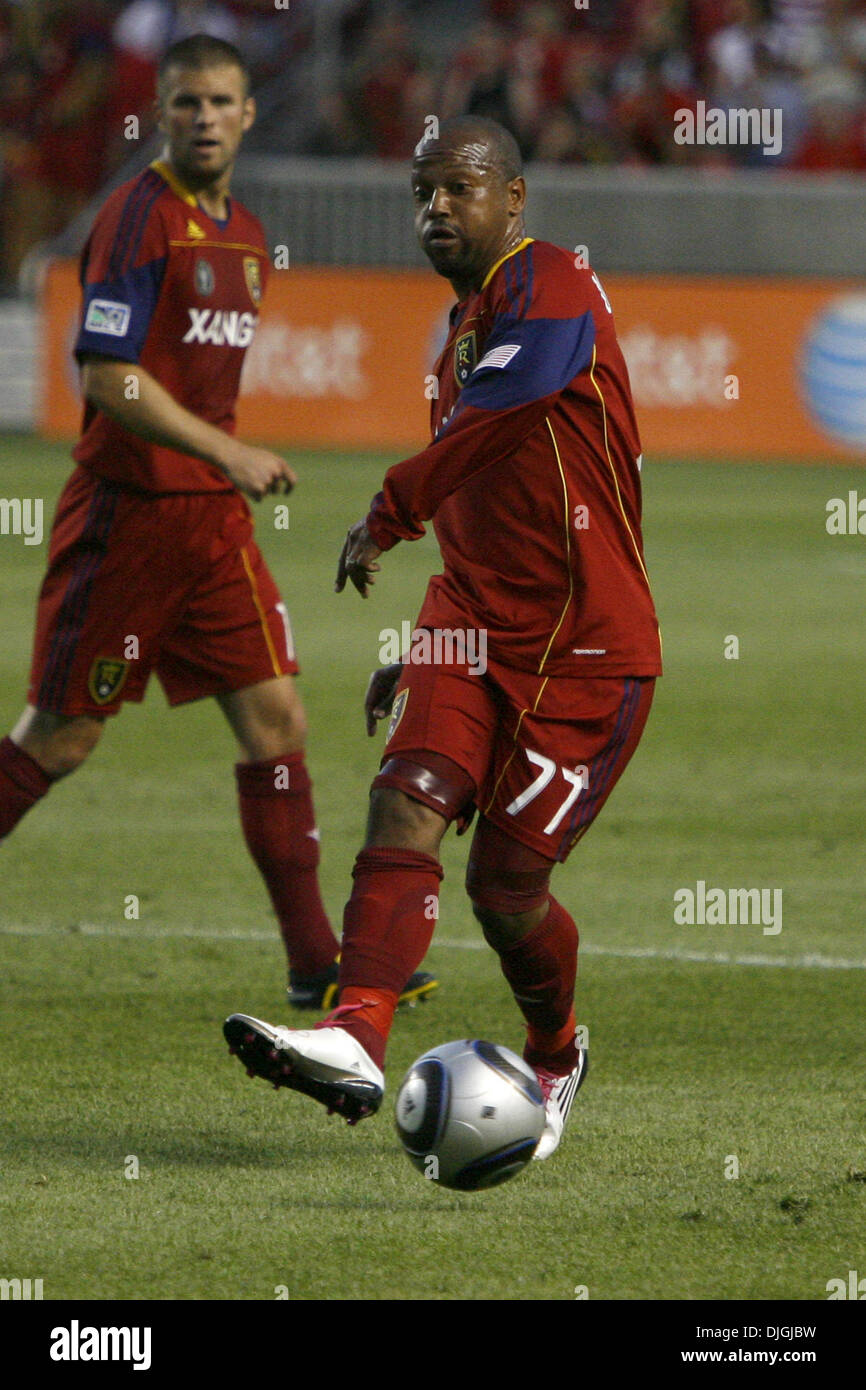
(357, 560)
(381, 689)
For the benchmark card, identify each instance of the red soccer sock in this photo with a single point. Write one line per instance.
(279, 827)
(541, 970)
(387, 927)
(22, 783)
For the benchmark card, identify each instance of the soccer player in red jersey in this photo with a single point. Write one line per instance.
(533, 487)
(152, 564)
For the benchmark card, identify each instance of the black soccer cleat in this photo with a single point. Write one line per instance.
(327, 1064)
(320, 991)
(418, 988)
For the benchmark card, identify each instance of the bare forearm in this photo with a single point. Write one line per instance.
(136, 400)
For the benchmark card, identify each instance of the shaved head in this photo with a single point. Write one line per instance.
(478, 140)
(469, 195)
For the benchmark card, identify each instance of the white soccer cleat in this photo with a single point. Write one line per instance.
(559, 1093)
(328, 1064)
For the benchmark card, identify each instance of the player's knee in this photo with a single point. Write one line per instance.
(274, 730)
(508, 884)
(289, 730)
(504, 929)
(397, 821)
(59, 745)
(414, 799)
(508, 901)
(497, 890)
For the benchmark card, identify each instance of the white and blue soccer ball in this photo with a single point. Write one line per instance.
(470, 1114)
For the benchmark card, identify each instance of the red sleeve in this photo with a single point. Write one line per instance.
(541, 338)
(122, 268)
(414, 490)
(127, 230)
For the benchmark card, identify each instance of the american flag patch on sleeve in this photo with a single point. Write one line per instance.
(499, 357)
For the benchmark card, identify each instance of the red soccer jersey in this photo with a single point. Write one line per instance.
(167, 286)
(532, 480)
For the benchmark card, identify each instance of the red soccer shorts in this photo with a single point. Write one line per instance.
(544, 752)
(173, 584)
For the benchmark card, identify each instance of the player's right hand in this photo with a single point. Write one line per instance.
(257, 472)
(357, 560)
(381, 689)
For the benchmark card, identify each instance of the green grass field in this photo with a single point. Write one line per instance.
(708, 1042)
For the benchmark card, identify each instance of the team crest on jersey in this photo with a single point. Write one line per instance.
(107, 678)
(465, 357)
(204, 276)
(194, 231)
(397, 713)
(253, 277)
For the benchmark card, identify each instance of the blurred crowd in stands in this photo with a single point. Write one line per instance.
(71, 74)
(599, 84)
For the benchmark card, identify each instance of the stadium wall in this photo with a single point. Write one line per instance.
(634, 221)
(721, 367)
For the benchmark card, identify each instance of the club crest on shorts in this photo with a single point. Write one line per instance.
(465, 357)
(397, 713)
(253, 277)
(107, 678)
(204, 276)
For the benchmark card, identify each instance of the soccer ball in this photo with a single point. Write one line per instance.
(469, 1114)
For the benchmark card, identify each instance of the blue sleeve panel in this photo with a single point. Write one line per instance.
(117, 312)
(525, 360)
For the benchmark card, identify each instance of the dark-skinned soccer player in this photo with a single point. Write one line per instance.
(532, 484)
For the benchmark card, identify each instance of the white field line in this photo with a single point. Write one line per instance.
(811, 961)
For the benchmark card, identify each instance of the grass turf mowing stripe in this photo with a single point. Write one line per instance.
(805, 962)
